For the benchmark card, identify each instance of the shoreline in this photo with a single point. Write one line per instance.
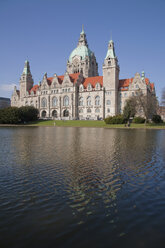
(78, 126)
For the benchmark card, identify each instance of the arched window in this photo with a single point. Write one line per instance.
(66, 101)
(43, 114)
(97, 100)
(44, 103)
(97, 110)
(108, 110)
(88, 100)
(66, 113)
(89, 87)
(137, 86)
(80, 110)
(108, 102)
(88, 110)
(81, 87)
(97, 86)
(81, 101)
(54, 101)
(54, 113)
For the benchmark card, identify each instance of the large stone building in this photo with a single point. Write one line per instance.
(81, 93)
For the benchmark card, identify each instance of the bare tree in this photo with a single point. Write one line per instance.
(147, 104)
(129, 108)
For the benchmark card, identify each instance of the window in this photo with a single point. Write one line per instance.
(81, 101)
(81, 87)
(108, 102)
(132, 93)
(43, 114)
(44, 103)
(97, 110)
(125, 94)
(54, 114)
(97, 86)
(54, 101)
(66, 101)
(97, 100)
(81, 110)
(66, 113)
(88, 101)
(137, 86)
(89, 87)
(108, 110)
(68, 89)
(88, 110)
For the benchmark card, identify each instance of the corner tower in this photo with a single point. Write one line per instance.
(111, 80)
(26, 80)
(82, 59)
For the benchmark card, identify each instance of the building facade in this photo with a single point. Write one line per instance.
(4, 102)
(81, 93)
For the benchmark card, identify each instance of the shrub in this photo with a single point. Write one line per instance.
(117, 119)
(138, 119)
(9, 115)
(14, 115)
(28, 113)
(157, 119)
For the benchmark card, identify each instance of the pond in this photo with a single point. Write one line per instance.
(82, 187)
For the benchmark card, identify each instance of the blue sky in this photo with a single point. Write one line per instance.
(46, 31)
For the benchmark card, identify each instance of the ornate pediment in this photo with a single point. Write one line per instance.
(55, 82)
(137, 83)
(44, 83)
(67, 82)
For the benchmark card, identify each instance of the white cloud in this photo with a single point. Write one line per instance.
(7, 87)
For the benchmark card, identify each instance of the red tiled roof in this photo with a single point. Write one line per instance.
(49, 80)
(124, 83)
(34, 89)
(152, 86)
(73, 78)
(93, 81)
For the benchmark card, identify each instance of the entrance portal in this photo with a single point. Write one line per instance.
(66, 113)
(43, 114)
(54, 113)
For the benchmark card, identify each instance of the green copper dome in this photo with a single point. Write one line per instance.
(81, 51)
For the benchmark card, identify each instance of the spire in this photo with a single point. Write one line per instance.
(143, 75)
(26, 69)
(111, 50)
(82, 32)
(82, 40)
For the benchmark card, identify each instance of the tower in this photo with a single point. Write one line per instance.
(82, 59)
(26, 80)
(111, 80)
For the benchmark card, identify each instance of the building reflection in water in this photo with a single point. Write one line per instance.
(88, 166)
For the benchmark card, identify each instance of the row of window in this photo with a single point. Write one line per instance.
(54, 101)
(89, 101)
(97, 110)
(89, 87)
(125, 94)
(66, 101)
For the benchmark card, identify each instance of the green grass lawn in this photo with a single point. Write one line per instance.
(78, 123)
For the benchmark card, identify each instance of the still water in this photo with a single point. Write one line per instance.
(82, 187)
